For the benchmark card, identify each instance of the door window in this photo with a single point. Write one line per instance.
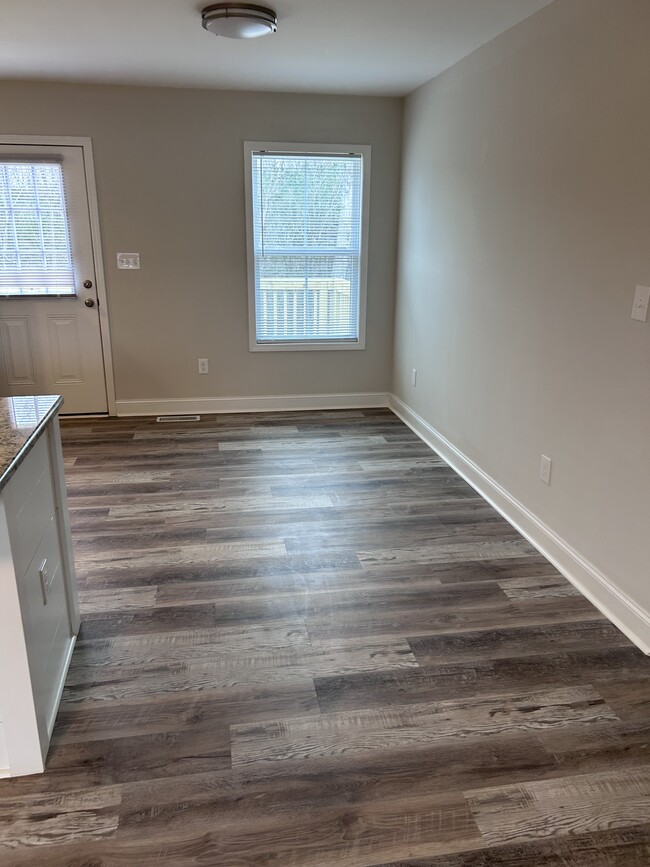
(35, 252)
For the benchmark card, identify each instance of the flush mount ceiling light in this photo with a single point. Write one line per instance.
(239, 20)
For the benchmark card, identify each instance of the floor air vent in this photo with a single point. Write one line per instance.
(163, 418)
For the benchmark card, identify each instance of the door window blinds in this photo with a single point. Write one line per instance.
(307, 246)
(35, 254)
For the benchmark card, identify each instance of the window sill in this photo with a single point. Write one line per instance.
(309, 346)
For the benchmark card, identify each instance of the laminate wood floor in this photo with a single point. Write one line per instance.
(306, 641)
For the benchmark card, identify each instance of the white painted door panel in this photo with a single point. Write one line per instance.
(51, 344)
(17, 352)
(65, 348)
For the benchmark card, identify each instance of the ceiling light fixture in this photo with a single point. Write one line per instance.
(239, 20)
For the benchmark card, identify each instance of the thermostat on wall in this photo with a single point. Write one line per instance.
(128, 261)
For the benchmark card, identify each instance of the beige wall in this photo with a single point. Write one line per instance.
(525, 228)
(169, 168)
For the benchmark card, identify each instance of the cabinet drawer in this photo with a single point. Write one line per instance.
(30, 505)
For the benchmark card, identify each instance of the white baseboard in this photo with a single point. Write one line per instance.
(617, 606)
(271, 403)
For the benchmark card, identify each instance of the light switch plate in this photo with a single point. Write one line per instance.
(640, 306)
(128, 261)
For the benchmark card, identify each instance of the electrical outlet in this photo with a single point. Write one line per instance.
(414, 377)
(203, 365)
(545, 470)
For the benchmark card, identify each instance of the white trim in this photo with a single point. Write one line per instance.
(63, 525)
(270, 403)
(100, 279)
(601, 590)
(300, 148)
(85, 143)
(59, 690)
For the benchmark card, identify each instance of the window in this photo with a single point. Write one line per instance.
(307, 209)
(35, 255)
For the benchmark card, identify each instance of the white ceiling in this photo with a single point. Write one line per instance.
(338, 46)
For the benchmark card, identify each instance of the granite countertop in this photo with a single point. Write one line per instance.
(22, 420)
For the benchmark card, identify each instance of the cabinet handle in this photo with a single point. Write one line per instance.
(42, 574)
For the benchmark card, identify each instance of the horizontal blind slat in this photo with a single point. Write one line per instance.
(307, 246)
(35, 251)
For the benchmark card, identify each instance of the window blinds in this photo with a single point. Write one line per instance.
(307, 246)
(35, 255)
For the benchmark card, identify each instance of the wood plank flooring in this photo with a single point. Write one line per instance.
(306, 641)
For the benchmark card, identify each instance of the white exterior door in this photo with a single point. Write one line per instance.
(50, 338)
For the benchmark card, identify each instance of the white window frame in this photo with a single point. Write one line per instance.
(307, 148)
(43, 280)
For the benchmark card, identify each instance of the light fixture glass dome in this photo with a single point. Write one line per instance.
(239, 20)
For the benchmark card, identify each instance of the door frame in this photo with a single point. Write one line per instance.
(85, 143)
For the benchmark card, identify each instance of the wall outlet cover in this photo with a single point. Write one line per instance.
(128, 261)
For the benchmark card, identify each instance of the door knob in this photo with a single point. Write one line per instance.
(89, 302)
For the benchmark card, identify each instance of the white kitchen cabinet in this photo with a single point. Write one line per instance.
(39, 613)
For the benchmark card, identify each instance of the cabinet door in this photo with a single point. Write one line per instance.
(35, 541)
(49, 628)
